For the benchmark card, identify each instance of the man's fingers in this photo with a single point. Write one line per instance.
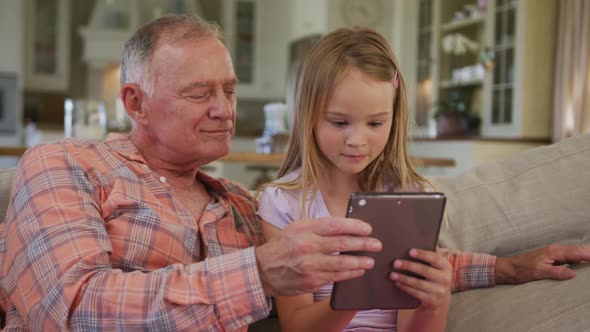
(560, 273)
(343, 263)
(569, 253)
(340, 226)
(339, 276)
(331, 244)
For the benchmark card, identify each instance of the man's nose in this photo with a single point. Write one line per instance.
(222, 108)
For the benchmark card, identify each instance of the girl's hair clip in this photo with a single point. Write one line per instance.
(395, 80)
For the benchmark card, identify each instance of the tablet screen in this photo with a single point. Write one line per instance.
(401, 221)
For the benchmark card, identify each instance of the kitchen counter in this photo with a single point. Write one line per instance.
(257, 158)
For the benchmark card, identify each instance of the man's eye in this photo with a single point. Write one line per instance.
(199, 96)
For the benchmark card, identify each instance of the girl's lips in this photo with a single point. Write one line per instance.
(354, 156)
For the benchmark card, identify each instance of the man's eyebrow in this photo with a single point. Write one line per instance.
(233, 81)
(192, 85)
(199, 84)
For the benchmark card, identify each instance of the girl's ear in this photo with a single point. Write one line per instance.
(131, 96)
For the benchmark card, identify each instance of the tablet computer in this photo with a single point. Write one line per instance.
(401, 221)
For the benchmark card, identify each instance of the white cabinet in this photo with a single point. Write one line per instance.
(256, 33)
(47, 45)
(518, 98)
(513, 98)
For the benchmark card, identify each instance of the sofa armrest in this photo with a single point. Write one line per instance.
(6, 178)
(541, 306)
(529, 200)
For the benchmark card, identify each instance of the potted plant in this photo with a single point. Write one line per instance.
(454, 117)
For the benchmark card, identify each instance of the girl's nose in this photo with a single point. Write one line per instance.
(355, 137)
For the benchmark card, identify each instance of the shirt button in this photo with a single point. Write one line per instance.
(162, 179)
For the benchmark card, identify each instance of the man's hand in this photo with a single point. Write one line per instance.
(543, 263)
(300, 258)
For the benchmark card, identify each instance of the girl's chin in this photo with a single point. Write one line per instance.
(352, 171)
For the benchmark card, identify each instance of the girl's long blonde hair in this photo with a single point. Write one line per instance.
(324, 66)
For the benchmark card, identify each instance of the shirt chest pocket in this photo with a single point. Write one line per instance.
(228, 239)
(141, 240)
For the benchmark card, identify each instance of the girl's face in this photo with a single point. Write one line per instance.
(355, 127)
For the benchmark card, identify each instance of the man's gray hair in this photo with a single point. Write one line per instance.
(138, 51)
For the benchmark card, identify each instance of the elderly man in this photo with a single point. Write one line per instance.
(128, 234)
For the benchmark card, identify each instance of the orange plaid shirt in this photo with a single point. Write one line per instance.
(93, 240)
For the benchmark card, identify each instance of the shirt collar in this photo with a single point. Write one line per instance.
(124, 146)
(212, 184)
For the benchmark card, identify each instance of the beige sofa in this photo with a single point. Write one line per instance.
(537, 197)
(529, 200)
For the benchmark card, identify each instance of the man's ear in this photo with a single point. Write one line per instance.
(132, 98)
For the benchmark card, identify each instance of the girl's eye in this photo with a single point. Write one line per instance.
(338, 124)
(375, 124)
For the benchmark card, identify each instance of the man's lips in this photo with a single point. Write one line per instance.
(217, 131)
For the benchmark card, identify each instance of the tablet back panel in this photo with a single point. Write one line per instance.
(401, 221)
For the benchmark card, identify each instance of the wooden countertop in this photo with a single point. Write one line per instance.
(12, 151)
(257, 158)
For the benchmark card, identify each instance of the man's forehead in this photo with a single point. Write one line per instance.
(207, 60)
(200, 48)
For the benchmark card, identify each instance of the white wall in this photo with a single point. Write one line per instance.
(384, 26)
(308, 17)
(12, 61)
(11, 36)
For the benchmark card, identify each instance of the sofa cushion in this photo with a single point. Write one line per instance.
(6, 177)
(541, 306)
(531, 199)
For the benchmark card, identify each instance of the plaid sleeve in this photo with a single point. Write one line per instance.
(59, 276)
(245, 204)
(471, 270)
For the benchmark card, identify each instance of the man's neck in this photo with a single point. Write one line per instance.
(179, 170)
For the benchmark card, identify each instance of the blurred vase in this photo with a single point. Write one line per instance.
(85, 118)
(451, 124)
(275, 137)
(275, 119)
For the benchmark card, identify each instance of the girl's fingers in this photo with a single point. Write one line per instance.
(435, 259)
(437, 271)
(425, 286)
(414, 292)
(430, 301)
(426, 271)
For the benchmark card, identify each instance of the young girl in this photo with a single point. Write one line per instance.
(349, 135)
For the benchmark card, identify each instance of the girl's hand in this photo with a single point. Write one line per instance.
(434, 291)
